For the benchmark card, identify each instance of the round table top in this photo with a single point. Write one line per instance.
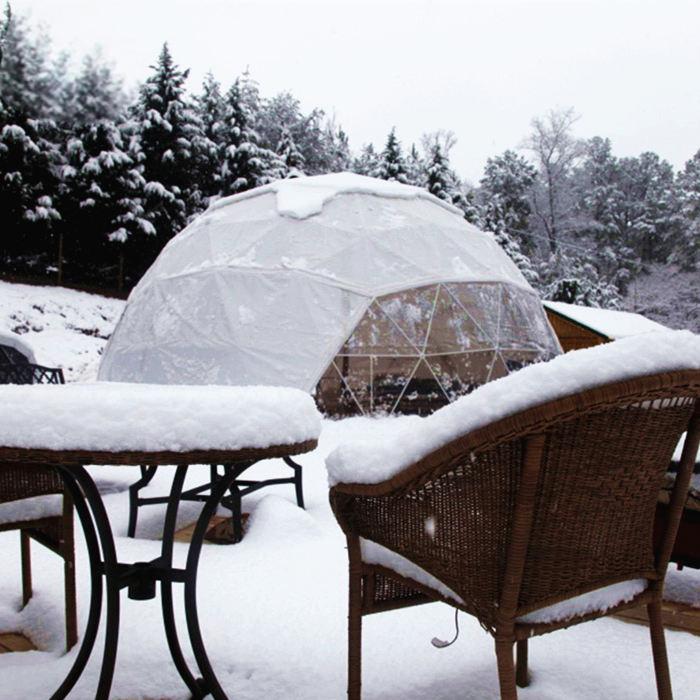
(29, 456)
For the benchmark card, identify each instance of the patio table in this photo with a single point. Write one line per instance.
(294, 424)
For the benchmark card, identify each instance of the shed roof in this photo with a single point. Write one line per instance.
(609, 323)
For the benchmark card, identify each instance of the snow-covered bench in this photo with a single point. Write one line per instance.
(529, 503)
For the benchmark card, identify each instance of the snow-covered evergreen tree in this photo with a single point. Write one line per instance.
(210, 108)
(576, 280)
(336, 149)
(415, 168)
(366, 162)
(244, 164)
(506, 185)
(105, 194)
(292, 162)
(685, 250)
(174, 146)
(96, 93)
(27, 81)
(627, 206)
(439, 180)
(392, 165)
(30, 163)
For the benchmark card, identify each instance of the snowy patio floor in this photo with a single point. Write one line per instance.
(273, 612)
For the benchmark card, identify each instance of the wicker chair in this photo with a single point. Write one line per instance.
(532, 510)
(47, 519)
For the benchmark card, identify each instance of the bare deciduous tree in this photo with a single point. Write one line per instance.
(556, 151)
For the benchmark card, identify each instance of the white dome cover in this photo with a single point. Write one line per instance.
(266, 286)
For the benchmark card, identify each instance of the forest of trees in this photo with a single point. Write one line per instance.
(94, 181)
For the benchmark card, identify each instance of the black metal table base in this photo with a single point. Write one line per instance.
(141, 580)
(233, 501)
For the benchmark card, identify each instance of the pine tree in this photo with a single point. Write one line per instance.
(30, 166)
(26, 78)
(106, 193)
(337, 149)
(415, 168)
(685, 250)
(292, 162)
(210, 108)
(576, 280)
(175, 150)
(508, 179)
(391, 164)
(439, 180)
(366, 163)
(243, 166)
(95, 93)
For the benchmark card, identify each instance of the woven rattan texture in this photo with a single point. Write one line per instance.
(597, 496)
(603, 464)
(18, 481)
(451, 525)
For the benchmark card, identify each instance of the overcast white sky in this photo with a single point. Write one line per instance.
(631, 68)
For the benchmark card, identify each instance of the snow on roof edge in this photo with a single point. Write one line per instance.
(611, 323)
(304, 197)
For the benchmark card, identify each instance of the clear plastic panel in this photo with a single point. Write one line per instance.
(377, 334)
(460, 374)
(411, 310)
(451, 329)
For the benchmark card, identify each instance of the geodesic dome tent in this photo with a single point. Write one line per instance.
(377, 295)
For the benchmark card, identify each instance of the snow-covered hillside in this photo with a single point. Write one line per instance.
(63, 327)
(667, 295)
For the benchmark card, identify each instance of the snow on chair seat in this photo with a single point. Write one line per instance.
(33, 508)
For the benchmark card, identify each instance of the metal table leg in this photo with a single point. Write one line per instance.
(140, 578)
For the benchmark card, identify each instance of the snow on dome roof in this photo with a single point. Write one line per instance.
(265, 287)
(609, 322)
(303, 197)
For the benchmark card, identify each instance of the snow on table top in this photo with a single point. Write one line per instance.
(303, 197)
(611, 323)
(114, 417)
(385, 454)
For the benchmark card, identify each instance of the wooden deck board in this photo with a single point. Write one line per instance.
(675, 616)
(185, 533)
(12, 641)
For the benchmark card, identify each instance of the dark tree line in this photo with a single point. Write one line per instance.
(94, 182)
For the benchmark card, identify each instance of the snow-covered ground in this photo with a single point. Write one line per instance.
(274, 618)
(65, 328)
(273, 608)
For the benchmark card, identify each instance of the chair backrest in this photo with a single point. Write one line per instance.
(597, 484)
(543, 505)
